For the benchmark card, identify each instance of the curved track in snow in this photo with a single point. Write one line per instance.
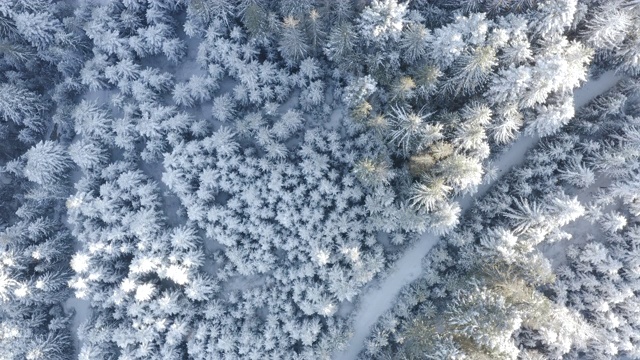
(380, 296)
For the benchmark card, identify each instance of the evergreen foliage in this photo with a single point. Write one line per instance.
(222, 179)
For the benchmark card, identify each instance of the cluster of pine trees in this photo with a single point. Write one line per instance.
(483, 290)
(42, 46)
(516, 265)
(599, 277)
(222, 178)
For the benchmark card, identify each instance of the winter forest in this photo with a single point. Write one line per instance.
(319, 179)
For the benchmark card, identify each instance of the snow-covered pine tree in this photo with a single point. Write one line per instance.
(293, 44)
(19, 105)
(46, 162)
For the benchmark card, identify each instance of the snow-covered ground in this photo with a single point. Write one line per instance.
(595, 87)
(379, 297)
(81, 311)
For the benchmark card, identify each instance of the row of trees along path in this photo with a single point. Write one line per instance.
(379, 297)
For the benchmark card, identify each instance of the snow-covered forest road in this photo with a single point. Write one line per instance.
(379, 297)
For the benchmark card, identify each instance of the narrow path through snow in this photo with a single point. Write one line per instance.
(379, 297)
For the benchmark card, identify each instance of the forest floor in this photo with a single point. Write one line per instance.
(379, 296)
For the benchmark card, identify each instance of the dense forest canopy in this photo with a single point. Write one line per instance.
(229, 179)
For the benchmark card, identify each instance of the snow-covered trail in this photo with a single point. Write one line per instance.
(379, 297)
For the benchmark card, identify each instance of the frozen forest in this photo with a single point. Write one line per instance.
(319, 179)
